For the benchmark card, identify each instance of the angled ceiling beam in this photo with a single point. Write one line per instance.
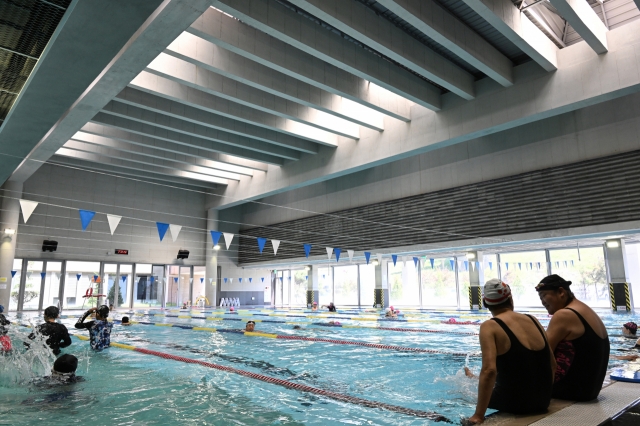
(148, 168)
(231, 65)
(145, 130)
(277, 55)
(285, 24)
(119, 38)
(155, 177)
(151, 155)
(356, 20)
(235, 164)
(505, 17)
(133, 157)
(199, 78)
(442, 27)
(585, 21)
(174, 125)
(207, 108)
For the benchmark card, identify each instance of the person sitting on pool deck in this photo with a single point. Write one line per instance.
(251, 325)
(579, 340)
(517, 362)
(57, 334)
(99, 330)
(125, 321)
(330, 306)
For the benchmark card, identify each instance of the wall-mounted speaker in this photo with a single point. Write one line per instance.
(183, 254)
(49, 245)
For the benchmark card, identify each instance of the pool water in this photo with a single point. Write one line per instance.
(128, 387)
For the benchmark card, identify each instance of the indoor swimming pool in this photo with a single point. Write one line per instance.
(364, 370)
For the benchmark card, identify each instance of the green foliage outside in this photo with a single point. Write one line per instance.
(111, 296)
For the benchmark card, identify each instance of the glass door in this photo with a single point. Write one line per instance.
(52, 278)
(157, 286)
(30, 297)
(78, 277)
(125, 279)
(185, 286)
(173, 286)
(141, 294)
(15, 284)
(199, 286)
(109, 279)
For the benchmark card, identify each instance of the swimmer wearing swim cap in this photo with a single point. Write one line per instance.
(251, 325)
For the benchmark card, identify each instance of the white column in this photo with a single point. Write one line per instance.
(211, 273)
(9, 217)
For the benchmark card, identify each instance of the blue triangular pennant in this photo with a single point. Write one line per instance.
(520, 266)
(240, 279)
(572, 263)
(491, 266)
(152, 279)
(367, 255)
(215, 236)
(466, 265)
(201, 280)
(280, 279)
(225, 280)
(85, 218)
(13, 273)
(262, 279)
(175, 279)
(250, 279)
(337, 251)
(162, 229)
(531, 266)
(565, 263)
(452, 262)
(95, 278)
(538, 265)
(432, 261)
(415, 261)
(306, 277)
(395, 259)
(42, 274)
(307, 250)
(507, 265)
(78, 277)
(124, 278)
(289, 277)
(261, 243)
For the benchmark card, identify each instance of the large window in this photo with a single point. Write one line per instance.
(403, 283)
(125, 279)
(523, 271)
(299, 284)
(345, 282)
(439, 283)
(199, 285)
(51, 293)
(587, 273)
(15, 285)
(367, 285)
(325, 286)
(148, 285)
(77, 282)
(31, 295)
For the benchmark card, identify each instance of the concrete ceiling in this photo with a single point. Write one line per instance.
(251, 97)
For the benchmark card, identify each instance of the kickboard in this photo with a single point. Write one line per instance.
(623, 375)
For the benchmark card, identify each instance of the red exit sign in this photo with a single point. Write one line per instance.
(121, 251)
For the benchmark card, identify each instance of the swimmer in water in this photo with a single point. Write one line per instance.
(390, 313)
(64, 371)
(629, 331)
(99, 330)
(331, 307)
(57, 334)
(297, 327)
(5, 340)
(125, 321)
(251, 325)
(314, 307)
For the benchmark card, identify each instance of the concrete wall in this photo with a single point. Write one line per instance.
(600, 130)
(62, 191)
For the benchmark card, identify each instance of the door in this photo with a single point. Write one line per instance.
(109, 280)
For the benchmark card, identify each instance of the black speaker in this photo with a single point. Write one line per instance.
(183, 254)
(49, 245)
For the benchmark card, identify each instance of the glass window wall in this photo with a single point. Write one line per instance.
(51, 294)
(125, 278)
(109, 279)
(345, 281)
(77, 281)
(325, 286)
(299, 284)
(439, 283)
(523, 271)
(15, 285)
(587, 273)
(33, 284)
(403, 283)
(198, 285)
(367, 284)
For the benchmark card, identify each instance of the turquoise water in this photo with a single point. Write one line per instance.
(127, 387)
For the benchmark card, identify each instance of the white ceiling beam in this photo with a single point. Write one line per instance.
(505, 17)
(199, 78)
(441, 26)
(584, 21)
(174, 125)
(282, 23)
(153, 152)
(275, 54)
(135, 157)
(202, 106)
(122, 122)
(106, 161)
(356, 20)
(235, 164)
(246, 71)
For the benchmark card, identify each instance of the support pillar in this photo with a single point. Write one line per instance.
(381, 292)
(619, 287)
(313, 286)
(211, 272)
(9, 217)
(476, 279)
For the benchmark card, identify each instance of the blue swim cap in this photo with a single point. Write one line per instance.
(1, 309)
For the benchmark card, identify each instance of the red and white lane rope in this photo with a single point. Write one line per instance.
(303, 388)
(424, 330)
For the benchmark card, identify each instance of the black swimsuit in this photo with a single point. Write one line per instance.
(524, 382)
(582, 365)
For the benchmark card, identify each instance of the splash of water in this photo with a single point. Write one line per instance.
(20, 365)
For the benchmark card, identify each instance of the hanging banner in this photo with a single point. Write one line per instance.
(124, 278)
(280, 279)
(531, 266)
(452, 262)
(262, 279)
(520, 266)
(394, 258)
(506, 264)
(114, 221)
(538, 265)
(466, 265)
(565, 263)
(228, 237)
(175, 230)
(78, 277)
(13, 273)
(306, 277)
(85, 218)
(337, 251)
(240, 279)
(95, 278)
(43, 274)
(261, 243)
(175, 279)
(416, 261)
(491, 266)
(367, 256)
(215, 236)
(350, 253)
(432, 261)
(276, 244)
(477, 265)
(162, 229)
(201, 280)
(250, 279)
(307, 250)
(329, 252)
(225, 280)
(230, 280)
(27, 208)
(572, 263)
